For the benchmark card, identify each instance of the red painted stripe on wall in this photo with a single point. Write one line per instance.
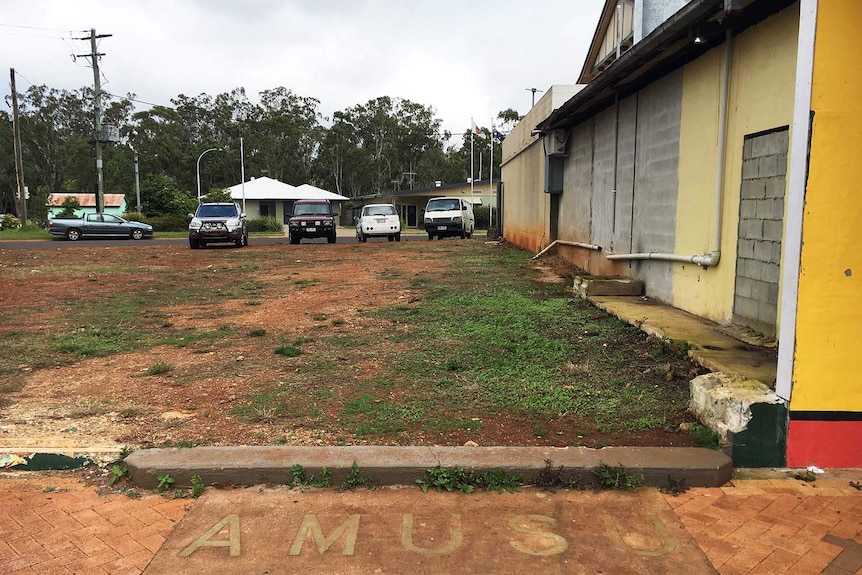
(827, 444)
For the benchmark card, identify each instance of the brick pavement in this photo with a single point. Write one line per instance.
(766, 526)
(59, 526)
(761, 526)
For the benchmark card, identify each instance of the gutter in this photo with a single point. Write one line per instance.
(693, 13)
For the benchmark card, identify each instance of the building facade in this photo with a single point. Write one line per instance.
(684, 163)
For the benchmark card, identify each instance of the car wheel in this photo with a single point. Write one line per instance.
(470, 233)
(137, 234)
(73, 234)
(390, 238)
(194, 244)
(238, 242)
(294, 239)
(463, 234)
(364, 239)
(398, 237)
(330, 239)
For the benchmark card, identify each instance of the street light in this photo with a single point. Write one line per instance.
(198, 169)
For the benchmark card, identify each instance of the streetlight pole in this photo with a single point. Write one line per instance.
(198, 169)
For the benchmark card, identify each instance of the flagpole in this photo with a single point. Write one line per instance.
(242, 171)
(472, 130)
(491, 180)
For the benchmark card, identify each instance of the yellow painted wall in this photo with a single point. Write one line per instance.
(828, 366)
(763, 75)
(526, 205)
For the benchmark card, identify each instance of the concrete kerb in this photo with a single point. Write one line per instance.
(396, 465)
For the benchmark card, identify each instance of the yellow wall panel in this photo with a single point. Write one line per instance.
(828, 365)
(763, 69)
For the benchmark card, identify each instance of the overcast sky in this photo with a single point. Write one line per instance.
(465, 58)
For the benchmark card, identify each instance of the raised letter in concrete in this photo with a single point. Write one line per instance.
(232, 541)
(312, 525)
(455, 539)
(669, 543)
(521, 524)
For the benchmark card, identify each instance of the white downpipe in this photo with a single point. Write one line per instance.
(711, 258)
(568, 243)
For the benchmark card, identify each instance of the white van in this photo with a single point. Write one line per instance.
(449, 217)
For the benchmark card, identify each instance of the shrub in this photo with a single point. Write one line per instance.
(169, 223)
(10, 222)
(483, 217)
(264, 224)
(69, 205)
(134, 217)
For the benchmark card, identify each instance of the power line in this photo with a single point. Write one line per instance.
(37, 28)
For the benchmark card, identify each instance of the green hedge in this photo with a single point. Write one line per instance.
(265, 224)
(169, 223)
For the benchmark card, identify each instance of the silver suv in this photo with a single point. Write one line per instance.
(217, 222)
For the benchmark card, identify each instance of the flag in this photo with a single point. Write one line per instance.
(476, 129)
(498, 135)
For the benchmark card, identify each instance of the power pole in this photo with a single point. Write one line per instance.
(97, 101)
(16, 141)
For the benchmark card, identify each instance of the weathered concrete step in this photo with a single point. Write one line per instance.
(394, 465)
(586, 286)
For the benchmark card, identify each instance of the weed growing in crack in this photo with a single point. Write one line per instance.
(617, 478)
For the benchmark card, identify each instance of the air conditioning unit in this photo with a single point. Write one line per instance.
(555, 142)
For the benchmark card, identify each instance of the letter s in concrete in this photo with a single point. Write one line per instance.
(521, 524)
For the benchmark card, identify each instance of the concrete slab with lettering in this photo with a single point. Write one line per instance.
(402, 531)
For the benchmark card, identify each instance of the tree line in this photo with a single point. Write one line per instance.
(383, 145)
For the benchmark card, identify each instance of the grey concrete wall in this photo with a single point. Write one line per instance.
(625, 174)
(602, 201)
(575, 216)
(656, 181)
(761, 227)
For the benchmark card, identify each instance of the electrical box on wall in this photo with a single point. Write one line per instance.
(555, 142)
(554, 166)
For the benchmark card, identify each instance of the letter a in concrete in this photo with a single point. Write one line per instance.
(232, 542)
(520, 523)
(455, 540)
(312, 525)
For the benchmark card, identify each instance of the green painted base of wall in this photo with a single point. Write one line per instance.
(764, 442)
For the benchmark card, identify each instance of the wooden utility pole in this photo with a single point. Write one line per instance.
(97, 100)
(16, 140)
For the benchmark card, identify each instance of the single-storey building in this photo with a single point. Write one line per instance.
(411, 203)
(713, 155)
(114, 204)
(266, 197)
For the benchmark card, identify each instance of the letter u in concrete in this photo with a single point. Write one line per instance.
(456, 537)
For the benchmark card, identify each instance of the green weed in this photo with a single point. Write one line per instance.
(356, 479)
(617, 478)
(159, 368)
(257, 332)
(165, 482)
(705, 437)
(288, 350)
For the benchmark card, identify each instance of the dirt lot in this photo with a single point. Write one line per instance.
(156, 345)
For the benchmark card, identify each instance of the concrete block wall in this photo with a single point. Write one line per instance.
(761, 227)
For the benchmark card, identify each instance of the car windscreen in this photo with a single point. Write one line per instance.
(216, 211)
(311, 210)
(443, 205)
(379, 211)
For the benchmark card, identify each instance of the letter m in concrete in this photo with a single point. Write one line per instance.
(310, 524)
